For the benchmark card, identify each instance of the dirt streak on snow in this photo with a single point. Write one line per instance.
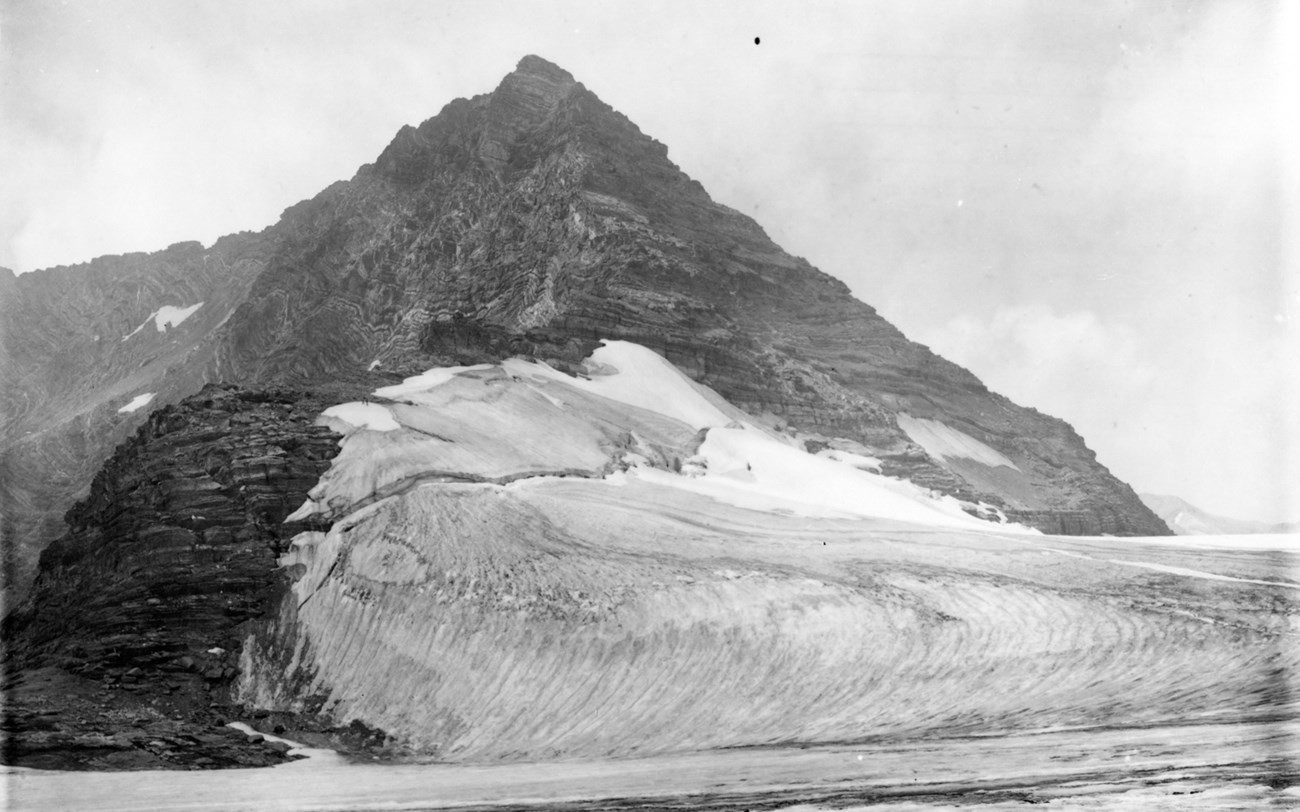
(1193, 573)
(1252, 541)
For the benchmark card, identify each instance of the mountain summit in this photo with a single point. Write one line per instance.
(537, 221)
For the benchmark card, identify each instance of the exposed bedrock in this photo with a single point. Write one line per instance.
(77, 345)
(175, 548)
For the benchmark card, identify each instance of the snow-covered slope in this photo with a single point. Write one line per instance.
(525, 564)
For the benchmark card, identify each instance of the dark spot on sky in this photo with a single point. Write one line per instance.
(755, 40)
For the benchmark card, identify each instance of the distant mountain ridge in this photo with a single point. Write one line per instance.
(534, 220)
(1185, 519)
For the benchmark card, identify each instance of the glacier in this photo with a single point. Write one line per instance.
(551, 587)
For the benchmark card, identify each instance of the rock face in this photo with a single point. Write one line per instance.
(175, 548)
(533, 220)
(77, 345)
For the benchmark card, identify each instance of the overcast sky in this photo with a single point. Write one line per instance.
(1091, 205)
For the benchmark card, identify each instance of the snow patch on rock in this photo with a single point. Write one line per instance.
(138, 402)
(942, 441)
(165, 317)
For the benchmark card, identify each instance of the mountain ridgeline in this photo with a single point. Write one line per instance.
(534, 221)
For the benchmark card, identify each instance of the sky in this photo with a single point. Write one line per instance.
(1094, 206)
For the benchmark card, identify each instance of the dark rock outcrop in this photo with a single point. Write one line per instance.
(137, 610)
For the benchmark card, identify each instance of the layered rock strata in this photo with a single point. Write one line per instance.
(123, 654)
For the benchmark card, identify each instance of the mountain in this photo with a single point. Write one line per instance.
(1185, 519)
(536, 221)
(518, 446)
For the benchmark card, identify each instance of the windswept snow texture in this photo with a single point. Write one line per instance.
(535, 566)
(944, 442)
(165, 317)
(139, 401)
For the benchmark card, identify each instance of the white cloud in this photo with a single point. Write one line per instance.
(1045, 359)
(1215, 424)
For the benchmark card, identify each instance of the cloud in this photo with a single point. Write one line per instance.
(1214, 424)
(1048, 360)
(1075, 366)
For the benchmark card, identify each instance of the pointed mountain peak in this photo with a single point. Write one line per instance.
(535, 66)
(523, 100)
(533, 88)
(485, 127)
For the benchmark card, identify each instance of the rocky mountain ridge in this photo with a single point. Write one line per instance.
(533, 220)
